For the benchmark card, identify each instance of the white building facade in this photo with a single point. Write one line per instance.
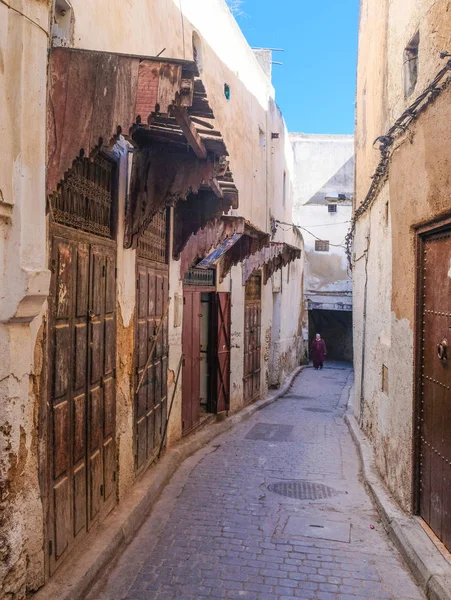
(322, 205)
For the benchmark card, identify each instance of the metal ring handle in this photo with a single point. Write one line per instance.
(442, 350)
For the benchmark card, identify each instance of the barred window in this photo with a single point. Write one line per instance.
(332, 208)
(322, 245)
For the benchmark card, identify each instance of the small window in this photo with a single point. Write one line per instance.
(411, 65)
(322, 245)
(227, 91)
(332, 208)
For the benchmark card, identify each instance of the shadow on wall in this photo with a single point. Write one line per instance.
(335, 327)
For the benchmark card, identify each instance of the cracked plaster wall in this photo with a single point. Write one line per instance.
(418, 190)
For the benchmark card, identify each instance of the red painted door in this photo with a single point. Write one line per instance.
(434, 417)
(252, 339)
(223, 315)
(191, 365)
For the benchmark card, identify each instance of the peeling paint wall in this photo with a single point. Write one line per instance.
(418, 190)
(24, 284)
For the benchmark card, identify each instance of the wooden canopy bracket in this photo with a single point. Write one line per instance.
(184, 122)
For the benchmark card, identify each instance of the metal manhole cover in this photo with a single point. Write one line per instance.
(270, 432)
(302, 490)
(318, 410)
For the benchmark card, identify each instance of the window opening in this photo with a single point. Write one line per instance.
(227, 91)
(411, 65)
(322, 245)
(332, 208)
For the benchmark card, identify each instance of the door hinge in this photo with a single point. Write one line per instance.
(115, 272)
(183, 424)
(102, 382)
(137, 283)
(184, 300)
(103, 271)
(101, 490)
(50, 548)
(114, 373)
(114, 475)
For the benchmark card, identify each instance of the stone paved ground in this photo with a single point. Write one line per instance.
(219, 532)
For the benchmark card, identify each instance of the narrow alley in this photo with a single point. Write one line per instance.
(273, 509)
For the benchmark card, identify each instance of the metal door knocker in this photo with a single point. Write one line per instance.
(442, 350)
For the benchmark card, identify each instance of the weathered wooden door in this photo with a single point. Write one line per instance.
(81, 472)
(191, 364)
(82, 314)
(222, 349)
(435, 383)
(151, 400)
(252, 338)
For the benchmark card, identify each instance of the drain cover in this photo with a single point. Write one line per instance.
(270, 432)
(302, 490)
(318, 410)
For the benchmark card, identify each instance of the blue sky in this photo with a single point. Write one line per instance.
(316, 84)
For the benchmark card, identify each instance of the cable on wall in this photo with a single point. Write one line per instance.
(400, 126)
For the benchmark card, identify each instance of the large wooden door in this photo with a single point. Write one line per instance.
(434, 416)
(82, 321)
(191, 363)
(151, 400)
(222, 350)
(252, 339)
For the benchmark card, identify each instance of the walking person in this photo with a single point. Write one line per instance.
(319, 351)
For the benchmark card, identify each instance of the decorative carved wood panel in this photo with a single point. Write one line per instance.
(82, 319)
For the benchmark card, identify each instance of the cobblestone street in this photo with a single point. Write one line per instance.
(272, 510)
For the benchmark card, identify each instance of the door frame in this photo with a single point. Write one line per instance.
(422, 232)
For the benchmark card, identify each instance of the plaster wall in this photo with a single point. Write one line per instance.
(417, 191)
(24, 282)
(320, 169)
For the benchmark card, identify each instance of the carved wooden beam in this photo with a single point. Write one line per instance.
(214, 185)
(190, 132)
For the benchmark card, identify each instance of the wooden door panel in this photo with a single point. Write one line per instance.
(223, 350)
(80, 493)
(96, 482)
(63, 517)
(435, 398)
(252, 339)
(149, 419)
(82, 366)
(61, 427)
(79, 428)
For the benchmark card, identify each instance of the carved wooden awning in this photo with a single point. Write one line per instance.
(159, 105)
(209, 237)
(243, 240)
(271, 258)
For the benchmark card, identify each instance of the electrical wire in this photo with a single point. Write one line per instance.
(309, 232)
(25, 17)
(400, 127)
